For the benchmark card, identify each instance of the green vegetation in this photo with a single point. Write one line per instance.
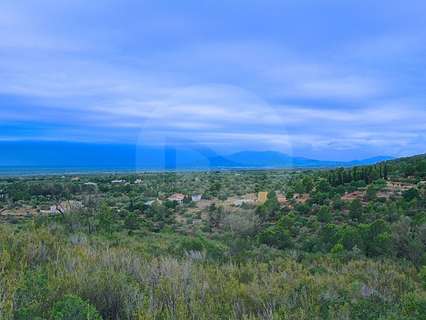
(326, 244)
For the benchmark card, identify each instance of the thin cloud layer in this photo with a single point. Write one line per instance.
(332, 80)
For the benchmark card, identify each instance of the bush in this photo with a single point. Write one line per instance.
(414, 306)
(32, 295)
(324, 214)
(422, 276)
(276, 237)
(209, 248)
(337, 249)
(74, 308)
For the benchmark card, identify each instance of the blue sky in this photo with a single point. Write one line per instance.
(324, 79)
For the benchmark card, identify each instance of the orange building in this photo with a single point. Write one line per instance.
(262, 197)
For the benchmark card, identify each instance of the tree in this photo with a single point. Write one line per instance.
(371, 192)
(329, 236)
(410, 194)
(385, 171)
(414, 306)
(131, 221)
(270, 209)
(422, 276)
(74, 308)
(355, 210)
(106, 218)
(289, 194)
(323, 186)
(299, 187)
(377, 238)
(324, 214)
(308, 184)
(215, 216)
(351, 237)
(276, 236)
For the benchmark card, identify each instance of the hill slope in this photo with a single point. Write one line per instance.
(118, 156)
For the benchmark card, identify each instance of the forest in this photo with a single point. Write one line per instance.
(345, 243)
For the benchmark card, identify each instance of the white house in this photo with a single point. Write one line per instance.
(149, 203)
(240, 202)
(196, 197)
(118, 181)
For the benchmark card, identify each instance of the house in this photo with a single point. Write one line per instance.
(75, 178)
(72, 205)
(138, 181)
(45, 209)
(399, 186)
(301, 197)
(262, 197)
(240, 202)
(120, 181)
(353, 195)
(90, 186)
(196, 197)
(178, 197)
(150, 202)
(282, 199)
(66, 206)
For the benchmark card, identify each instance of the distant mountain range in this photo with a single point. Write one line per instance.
(67, 156)
(273, 159)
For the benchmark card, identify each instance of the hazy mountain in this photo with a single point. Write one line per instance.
(372, 160)
(276, 159)
(118, 156)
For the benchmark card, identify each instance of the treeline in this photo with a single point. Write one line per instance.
(414, 167)
(367, 174)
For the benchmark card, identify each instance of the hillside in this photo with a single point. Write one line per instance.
(272, 159)
(243, 244)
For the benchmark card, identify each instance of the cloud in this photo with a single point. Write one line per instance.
(130, 69)
(339, 87)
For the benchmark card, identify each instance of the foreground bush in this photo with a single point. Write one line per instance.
(49, 276)
(74, 308)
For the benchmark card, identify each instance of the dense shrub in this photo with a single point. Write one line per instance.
(74, 308)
